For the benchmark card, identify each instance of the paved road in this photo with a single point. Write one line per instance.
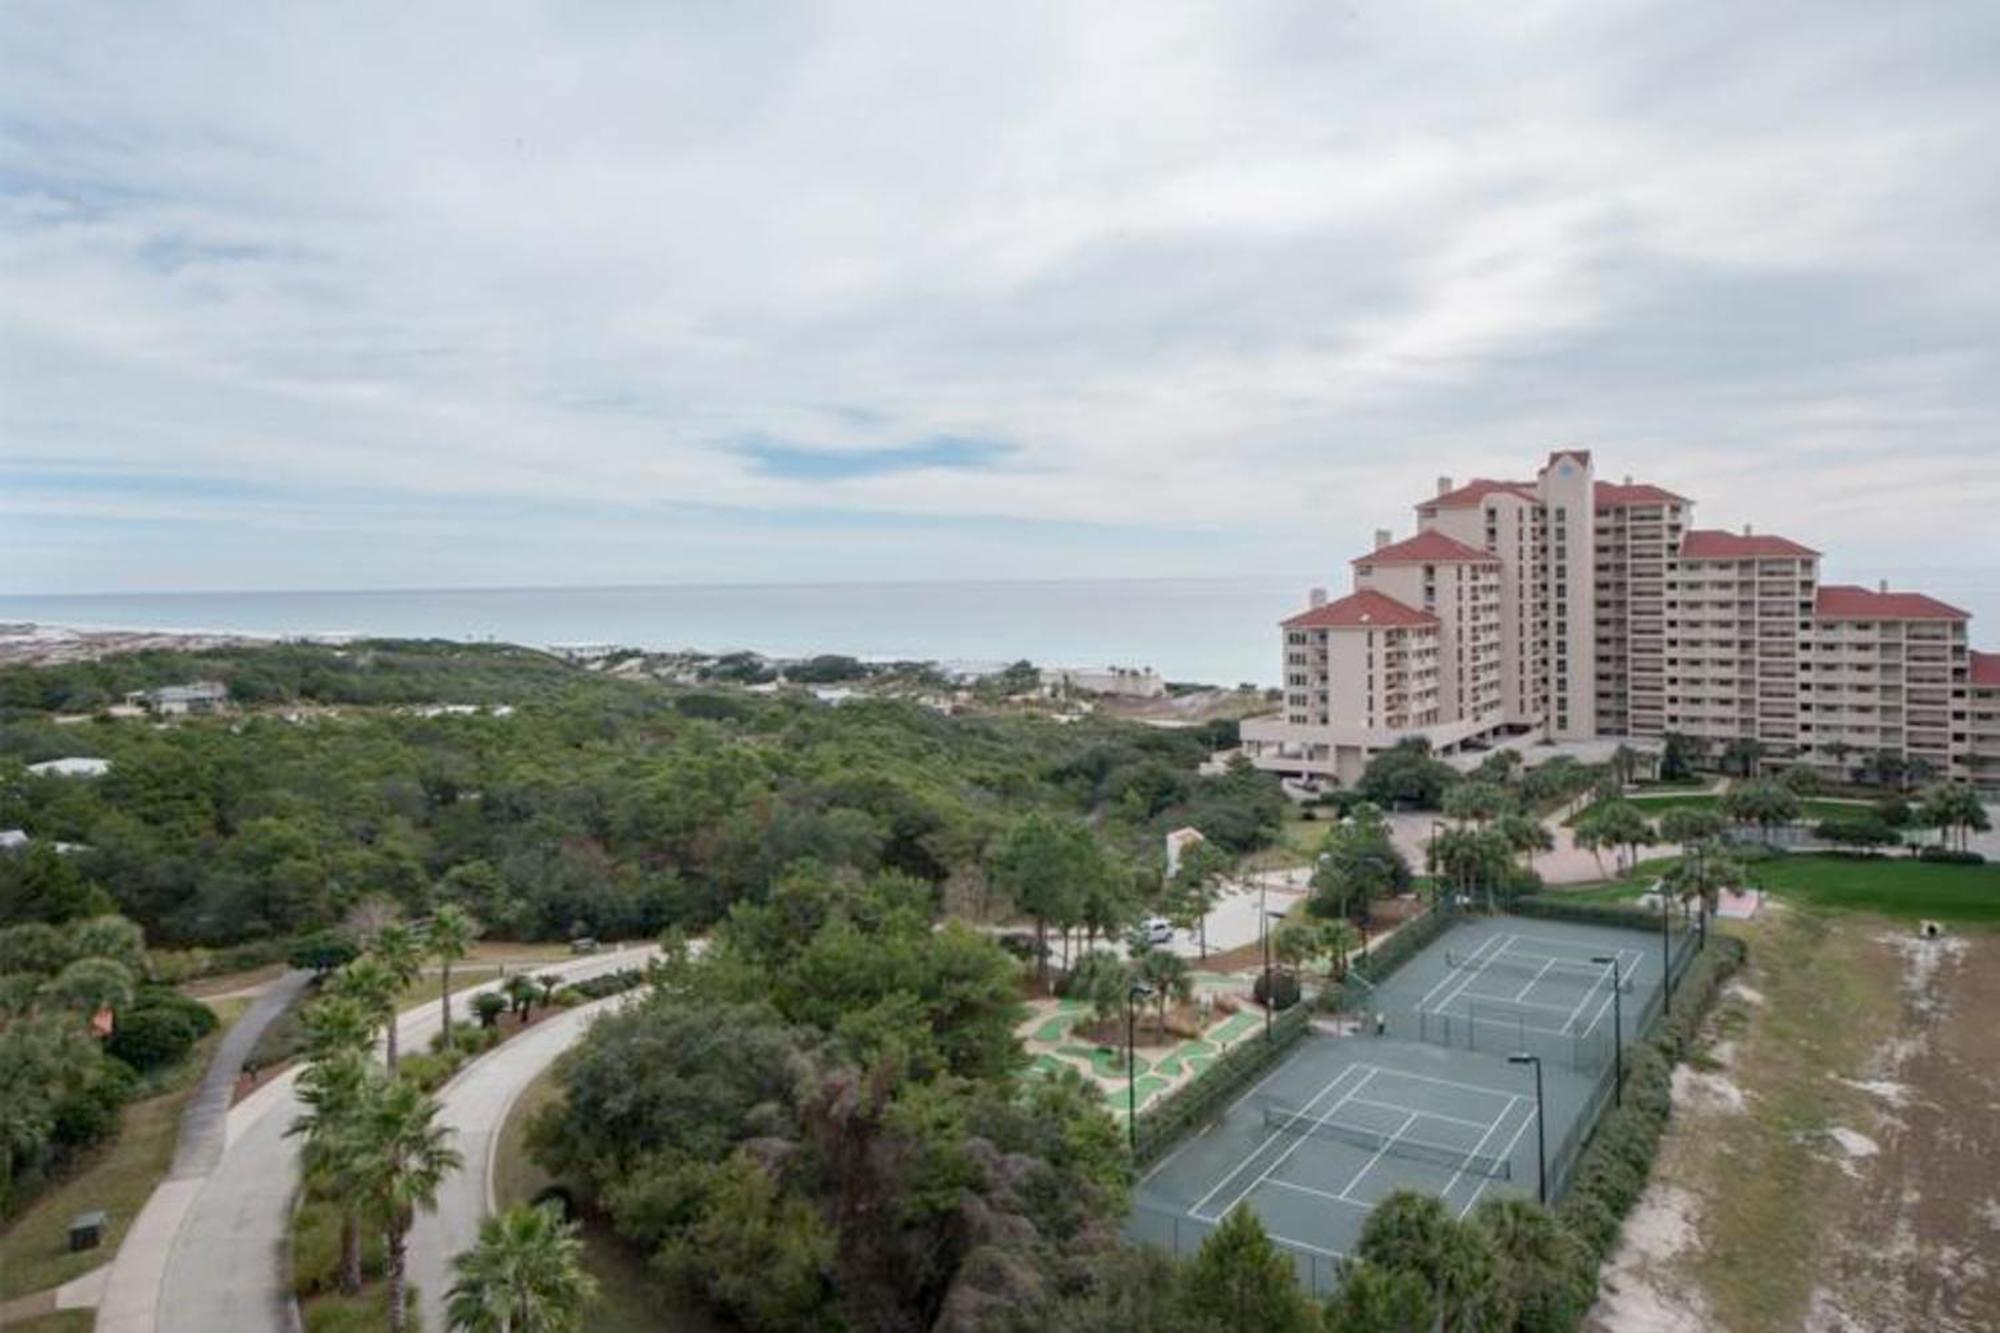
(210, 1251)
(475, 1106)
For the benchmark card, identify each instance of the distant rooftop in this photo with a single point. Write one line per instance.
(1840, 601)
(1362, 610)
(1716, 544)
(1427, 548)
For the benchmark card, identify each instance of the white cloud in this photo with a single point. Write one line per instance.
(1254, 273)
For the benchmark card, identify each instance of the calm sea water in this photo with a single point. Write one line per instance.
(1216, 630)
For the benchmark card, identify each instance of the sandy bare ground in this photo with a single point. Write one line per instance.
(1834, 1162)
(55, 645)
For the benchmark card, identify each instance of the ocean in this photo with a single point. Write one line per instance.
(1219, 631)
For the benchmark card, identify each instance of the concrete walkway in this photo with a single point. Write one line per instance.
(211, 1251)
(475, 1106)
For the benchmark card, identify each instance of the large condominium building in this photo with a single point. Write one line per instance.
(1568, 608)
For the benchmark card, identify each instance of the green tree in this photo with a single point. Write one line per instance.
(334, 1089)
(1525, 836)
(400, 1157)
(89, 985)
(1407, 774)
(1679, 752)
(1358, 862)
(525, 1275)
(1246, 1284)
(1196, 886)
(110, 936)
(1764, 804)
(1467, 857)
(1374, 1299)
(1743, 754)
(487, 1006)
(1686, 825)
(374, 988)
(1414, 1233)
(1044, 865)
(1172, 981)
(1545, 1278)
(1476, 802)
(1619, 823)
(400, 950)
(1953, 808)
(450, 934)
(337, 1023)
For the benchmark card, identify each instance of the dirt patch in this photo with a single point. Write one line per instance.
(1919, 1247)
(1834, 1160)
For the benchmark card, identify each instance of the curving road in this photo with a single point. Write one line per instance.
(210, 1251)
(475, 1105)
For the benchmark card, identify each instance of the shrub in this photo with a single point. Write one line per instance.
(429, 1070)
(146, 1039)
(1951, 856)
(1281, 993)
(1617, 1161)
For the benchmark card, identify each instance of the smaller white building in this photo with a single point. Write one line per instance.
(1116, 681)
(76, 766)
(200, 696)
(1178, 842)
(13, 839)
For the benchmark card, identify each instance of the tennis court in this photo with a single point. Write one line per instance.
(1433, 1104)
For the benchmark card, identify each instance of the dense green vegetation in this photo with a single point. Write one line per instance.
(598, 806)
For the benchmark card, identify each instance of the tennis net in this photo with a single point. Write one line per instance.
(1536, 965)
(1291, 1120)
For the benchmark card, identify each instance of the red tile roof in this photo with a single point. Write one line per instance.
(1580, 455)
(1839, 601)
(1427, 548)
(1985, 670)
(1361, 610)
(1612, 495)
(1714, 544)
(1474, 493)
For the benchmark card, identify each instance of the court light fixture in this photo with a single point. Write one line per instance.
(1541, 1137)
(1617, 1027)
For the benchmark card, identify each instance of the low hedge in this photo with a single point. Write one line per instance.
(1194, 1104)
(1614, 1168)
(1554, 908)
(1951, 856)
(610, 983)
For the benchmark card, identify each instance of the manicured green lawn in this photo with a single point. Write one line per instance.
(1897, 886)
(1893, 886)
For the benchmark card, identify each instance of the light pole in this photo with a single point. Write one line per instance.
(1265, 920)
(1666, 947)
(1139, 991)
(1617, 1030)
(1541, 1139)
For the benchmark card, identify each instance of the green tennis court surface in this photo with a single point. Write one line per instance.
(1434, 1104)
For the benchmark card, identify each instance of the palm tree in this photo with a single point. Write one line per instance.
(372, 986)
(1744, 752)
(401, 951)
(1170, 977)
(450, 937)
(334, 1089)
(337, 1024)
(400, 1157)
(550, 982)
(525, 1275)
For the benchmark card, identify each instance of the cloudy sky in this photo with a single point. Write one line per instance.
(493, 293)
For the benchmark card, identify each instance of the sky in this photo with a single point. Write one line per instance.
(475, 294)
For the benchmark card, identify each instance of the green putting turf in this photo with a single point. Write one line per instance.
(1145, 1089)
(1103, 1060)
(1236, 1026)
(1049, 1064)
(1056, 1028)
(1183, 1057)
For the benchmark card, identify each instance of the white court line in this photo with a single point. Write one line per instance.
(1446, 1083)
(1380, 1153)
(1533, 981)
(1319, 1194)
(1284, 1156)
(1194, 1210)
(1491, 1130)
(1452, 973)
(1428, 1115)
(1226, 1111)
(1508, 1153)
(1466, 975)
(1483, 998)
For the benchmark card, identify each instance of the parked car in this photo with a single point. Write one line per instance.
(1156, 932)
(583, 945)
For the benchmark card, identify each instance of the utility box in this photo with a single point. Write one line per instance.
(87, 1231)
